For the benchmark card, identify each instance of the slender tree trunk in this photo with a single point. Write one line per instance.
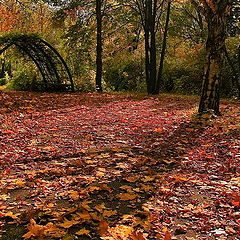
(215, 55)
(153, 61)
(147, 63)
(99, 48)
(159, 83)
(150, 44)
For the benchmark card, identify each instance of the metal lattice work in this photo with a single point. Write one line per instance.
(54, 70)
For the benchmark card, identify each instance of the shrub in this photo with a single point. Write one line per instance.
(124, 72)
(25, 79)
(2, 81)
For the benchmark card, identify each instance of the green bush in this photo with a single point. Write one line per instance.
(25, 79)
(183, 74)
(2, 81)
(84, 85)
(124, 72)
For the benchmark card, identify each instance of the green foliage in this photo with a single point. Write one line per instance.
(84, 85)
(24, 79)
(125, 73)
(17, 36)
(2, 81)
(183, 72)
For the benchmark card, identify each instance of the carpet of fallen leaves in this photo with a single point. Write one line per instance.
(124, 167)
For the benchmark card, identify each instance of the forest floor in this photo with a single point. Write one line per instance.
(117, 166)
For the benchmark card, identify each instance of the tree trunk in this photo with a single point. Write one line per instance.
(99, 48)
(150, 44)
(147, 64)
(215, 55)
(159, 83)
(153, 60)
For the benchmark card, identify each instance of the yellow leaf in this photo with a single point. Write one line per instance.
(85, 206)
(74, 195)
(68, 224)
(10, 214)
(180, 178)
(93, 188)
(121, 232)
(127, 196)
(83, 231)
(108, 213)
(100, 174)
(20, 183)
(4, 197)
(84, 215)
(100, 207)
(148, 179)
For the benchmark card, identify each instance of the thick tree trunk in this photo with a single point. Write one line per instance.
(99, 48)
(215, 55)
(159, 83)
(150, 44)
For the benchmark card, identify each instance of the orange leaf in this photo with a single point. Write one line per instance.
(158, 130)
(167, 236)
(103, 227)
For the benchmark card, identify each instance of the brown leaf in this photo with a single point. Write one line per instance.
(127, 196)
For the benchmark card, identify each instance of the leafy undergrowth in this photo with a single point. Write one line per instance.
(101, 166)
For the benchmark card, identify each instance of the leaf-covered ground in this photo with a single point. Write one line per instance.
(101, 166)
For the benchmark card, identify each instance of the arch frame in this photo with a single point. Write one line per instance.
(51, 65)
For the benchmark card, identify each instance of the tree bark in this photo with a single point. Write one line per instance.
(153, 60)
(216, 15)
(147, 63)
(150, 44)
(99, 48)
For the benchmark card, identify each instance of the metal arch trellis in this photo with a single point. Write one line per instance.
(54, 70)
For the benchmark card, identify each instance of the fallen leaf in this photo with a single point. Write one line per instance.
(103, 227)
(68, 224)
(127, 196)
(83, 231)
(109, 213)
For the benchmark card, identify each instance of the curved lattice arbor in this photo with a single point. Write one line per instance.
(54, 70)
